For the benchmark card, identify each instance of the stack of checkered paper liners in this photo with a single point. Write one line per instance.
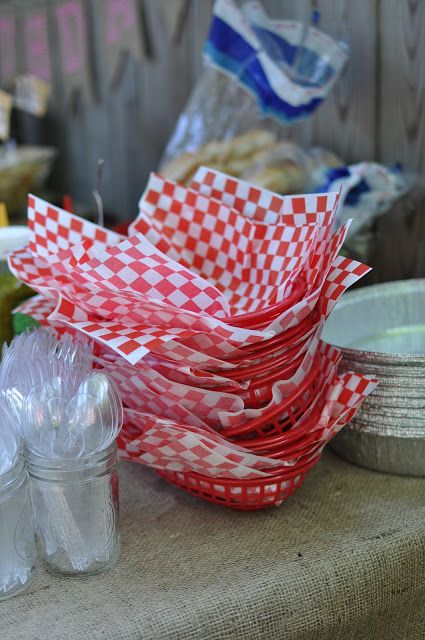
(208, 316)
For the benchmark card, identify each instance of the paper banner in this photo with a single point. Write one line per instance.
(122, 33)
(6, 103)
(36, 43)
(73, 44)
(8, 62)
(174, 14)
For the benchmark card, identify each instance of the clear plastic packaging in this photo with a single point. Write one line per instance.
(259, 74)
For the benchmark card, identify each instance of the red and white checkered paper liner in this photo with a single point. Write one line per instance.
(262, 205)
(80, 305)
(133, 341)
(185, 447)
(270, 208)
(81, 315)
(214, 407)
(245, 259)
(41, 309)
(54, 230)
(89, 279)
(266, 206)
(174, 447)
(204, 403)
(178, 372)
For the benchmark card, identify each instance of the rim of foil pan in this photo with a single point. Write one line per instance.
(395, 310)
(381, 330)
(400, 455)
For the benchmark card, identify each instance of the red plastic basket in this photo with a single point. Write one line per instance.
(280, 343)
(281, 417)
(282, 365)
(261, 377)
(243, 495)
(276, 445)
(260, 390)
(262, 317)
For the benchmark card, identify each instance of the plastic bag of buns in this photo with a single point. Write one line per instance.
(259, 75)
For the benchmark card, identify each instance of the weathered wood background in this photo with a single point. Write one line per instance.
(376, 110)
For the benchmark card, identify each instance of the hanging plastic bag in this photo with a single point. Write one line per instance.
(259, 74)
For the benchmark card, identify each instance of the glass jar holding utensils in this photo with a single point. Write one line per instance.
(68, 416)
(17, 544)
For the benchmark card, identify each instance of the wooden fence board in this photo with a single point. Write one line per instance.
(402, 87)
(345, 121)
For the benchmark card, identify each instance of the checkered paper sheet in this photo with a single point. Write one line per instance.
(41, 309)
(138, 397)
(101, 292)
(54, 231)
(195, 448)
(178, 372)
(246, 260)
(37, 273)
(79, 307)
(134, 341)
(178, 447)
(161, 278)
(267, 207)
(114, 305)
(205, 403)
(215, 407)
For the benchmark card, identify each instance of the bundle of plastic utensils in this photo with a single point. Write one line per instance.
(64, 408)
(69, 417)
(208, 317)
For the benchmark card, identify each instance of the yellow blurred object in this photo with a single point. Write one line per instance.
(6, 104)
(4, 218)
(23, 169)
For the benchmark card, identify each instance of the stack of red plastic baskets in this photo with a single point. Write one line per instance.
(286, 429)
(208, 317)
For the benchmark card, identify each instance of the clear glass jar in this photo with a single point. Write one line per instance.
(17, 541)
(75, 503)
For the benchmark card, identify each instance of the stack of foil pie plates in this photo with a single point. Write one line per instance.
(381, 331)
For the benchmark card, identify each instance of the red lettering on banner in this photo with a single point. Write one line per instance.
(120, 16)
(7, 48)
(37, 47)
(72, 30)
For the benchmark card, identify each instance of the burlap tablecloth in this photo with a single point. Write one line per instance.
(343, 559)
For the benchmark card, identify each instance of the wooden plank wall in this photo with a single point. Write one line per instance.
(375, 111)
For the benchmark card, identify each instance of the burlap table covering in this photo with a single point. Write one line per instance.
(343, 559)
